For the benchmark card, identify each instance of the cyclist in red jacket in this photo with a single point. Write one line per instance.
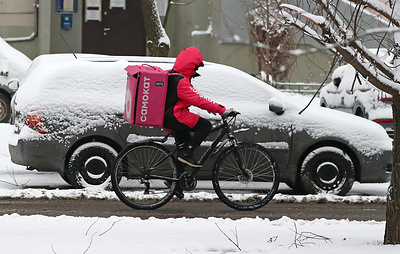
(180, 96)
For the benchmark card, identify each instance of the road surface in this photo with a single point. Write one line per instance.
(190, 209)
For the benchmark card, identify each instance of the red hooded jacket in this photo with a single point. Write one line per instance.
(185, 64)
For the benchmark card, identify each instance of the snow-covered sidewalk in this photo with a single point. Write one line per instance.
(64, 234)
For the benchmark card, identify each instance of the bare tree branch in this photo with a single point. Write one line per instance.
(347, 34)
(380, 8)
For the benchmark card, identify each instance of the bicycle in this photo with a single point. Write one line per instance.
(245, 176)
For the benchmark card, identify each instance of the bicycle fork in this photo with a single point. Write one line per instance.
(244, 173)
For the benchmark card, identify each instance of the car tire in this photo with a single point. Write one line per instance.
(323, 103)
(359, 110)
(327, 170)
(5, 111)
(90, 165)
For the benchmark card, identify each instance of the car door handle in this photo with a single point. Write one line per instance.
(107, 29)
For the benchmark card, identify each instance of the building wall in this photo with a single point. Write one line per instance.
(209, 25)
(48, 39)
(72, 36)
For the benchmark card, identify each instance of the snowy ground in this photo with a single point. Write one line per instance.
(66, 234)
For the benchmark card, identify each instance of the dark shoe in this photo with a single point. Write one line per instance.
(189, 160)
(178, 192)
(186, 156)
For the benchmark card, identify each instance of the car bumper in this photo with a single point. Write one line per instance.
(27, 153)
(376, 169)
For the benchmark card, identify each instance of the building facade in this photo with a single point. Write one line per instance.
(218, 28)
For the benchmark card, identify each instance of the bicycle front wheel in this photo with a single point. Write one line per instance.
(144, 176)
(250, 188)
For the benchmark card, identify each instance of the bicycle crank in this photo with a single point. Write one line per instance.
(187, 182)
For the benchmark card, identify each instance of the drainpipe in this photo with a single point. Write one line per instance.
(36, 28)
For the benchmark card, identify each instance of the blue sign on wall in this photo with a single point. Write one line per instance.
(66, 6)
(66, 21)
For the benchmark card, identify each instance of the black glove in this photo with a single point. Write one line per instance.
(227, 112)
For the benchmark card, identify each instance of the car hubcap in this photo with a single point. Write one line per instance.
(96, 167)
(327, 172)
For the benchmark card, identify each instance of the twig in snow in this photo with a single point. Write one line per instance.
(230, 239)
(110, 228)
(90, 244)
(52, 249)
(303, 238)
(11, 173)
(87, 231)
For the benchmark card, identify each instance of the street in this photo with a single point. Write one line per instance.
(190, 209)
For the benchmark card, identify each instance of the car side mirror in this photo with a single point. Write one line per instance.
(336, 81)
(276, 106)
(13, 84)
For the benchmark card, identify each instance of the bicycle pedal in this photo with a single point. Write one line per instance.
(177, 192)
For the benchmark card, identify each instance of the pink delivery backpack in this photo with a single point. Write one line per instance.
(146, 92)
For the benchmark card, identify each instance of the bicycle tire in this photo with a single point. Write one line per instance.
(135, 185)
(251, 192)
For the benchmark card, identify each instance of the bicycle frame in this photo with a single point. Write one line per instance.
(215, 146)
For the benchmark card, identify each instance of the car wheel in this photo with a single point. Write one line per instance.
(323, 103)
(90, 165)
(327, 170)
(5, 111)
(359, 110)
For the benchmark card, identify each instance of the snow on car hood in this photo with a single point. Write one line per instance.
(83, 94)
(366, 136)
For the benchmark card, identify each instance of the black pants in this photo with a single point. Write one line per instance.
(182, 132)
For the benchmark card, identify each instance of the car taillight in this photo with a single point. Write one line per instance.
(383, 120)
(386, 99)
(35, 122)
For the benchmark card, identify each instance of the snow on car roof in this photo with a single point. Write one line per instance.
(12, 61)
(88, 90)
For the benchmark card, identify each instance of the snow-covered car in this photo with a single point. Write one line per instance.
(353, 94)
(69, 118)
(13, 65)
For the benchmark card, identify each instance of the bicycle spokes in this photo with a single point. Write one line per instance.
(140, 173)
(248, 188)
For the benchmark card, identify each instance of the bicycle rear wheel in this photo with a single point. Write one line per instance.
(251, 190)
(141, 174)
